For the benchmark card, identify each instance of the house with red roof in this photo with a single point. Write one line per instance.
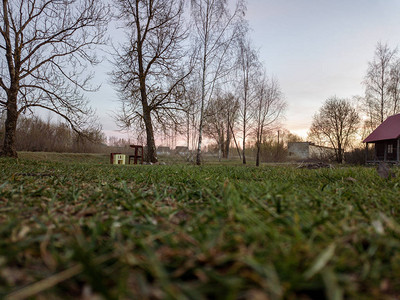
(386, 138)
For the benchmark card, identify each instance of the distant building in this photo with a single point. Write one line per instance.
(163, 150)
(386, 139)
(182, 150)
(308, 150)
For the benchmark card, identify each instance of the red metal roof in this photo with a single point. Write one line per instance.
(388, 130)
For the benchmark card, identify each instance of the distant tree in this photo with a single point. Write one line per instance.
(189, 113)
(91, 142)
(215, 29)
(231, 117)
(44, 48)
(394, 86)
(272, 147)
(214, 123)
(149, 66)
(114, 141)
(381, 86)
(269, 106)
(219, 118)
(35, 134)
(293, 138)
(335, 125)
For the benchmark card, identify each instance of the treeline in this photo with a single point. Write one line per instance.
(34, 134)
(272, 148)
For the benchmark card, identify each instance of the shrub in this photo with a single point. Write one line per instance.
(355, 157)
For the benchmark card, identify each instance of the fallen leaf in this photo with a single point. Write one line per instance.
(351, 179)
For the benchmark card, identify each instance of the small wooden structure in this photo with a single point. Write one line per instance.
(386, 138)
(117, 158)
(138, 156)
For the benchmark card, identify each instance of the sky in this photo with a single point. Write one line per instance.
(316, 49)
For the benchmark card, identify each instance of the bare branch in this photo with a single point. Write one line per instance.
(46, 45)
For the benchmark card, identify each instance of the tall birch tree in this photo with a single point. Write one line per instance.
(215, 29)
(248, 72)
(379, 88)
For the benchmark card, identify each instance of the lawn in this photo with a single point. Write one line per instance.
(84, 230)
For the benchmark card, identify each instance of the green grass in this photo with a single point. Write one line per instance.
(95, 158)
(185, 232)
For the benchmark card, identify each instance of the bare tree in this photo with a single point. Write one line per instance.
(231, 116)
(214, 125)
(35, 134)
(394, 86)
(44, 48)
(218, 122)
(148, 68)
(215, 29)
(379, 86)
(248, 68)
(335, 124)
(190, 112)
(269, 107)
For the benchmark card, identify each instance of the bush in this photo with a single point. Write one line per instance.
(355, 157)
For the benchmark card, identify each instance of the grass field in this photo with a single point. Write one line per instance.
(83, 229)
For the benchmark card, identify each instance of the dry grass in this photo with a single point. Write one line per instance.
(74, 230)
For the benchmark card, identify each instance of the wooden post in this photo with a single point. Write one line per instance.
(366, 152)
(398, 150)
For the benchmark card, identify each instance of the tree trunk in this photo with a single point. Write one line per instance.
(222, 142)
(151, 146)
(228, 139)
(234, 139)
(188, 131)
(198, 155)
(259, 137)
(258, 155)
(203, 96)
(244, 120)
(244, 143)
(340, 154)
(9, 149)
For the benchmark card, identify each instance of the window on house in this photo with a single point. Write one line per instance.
(390, 149)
